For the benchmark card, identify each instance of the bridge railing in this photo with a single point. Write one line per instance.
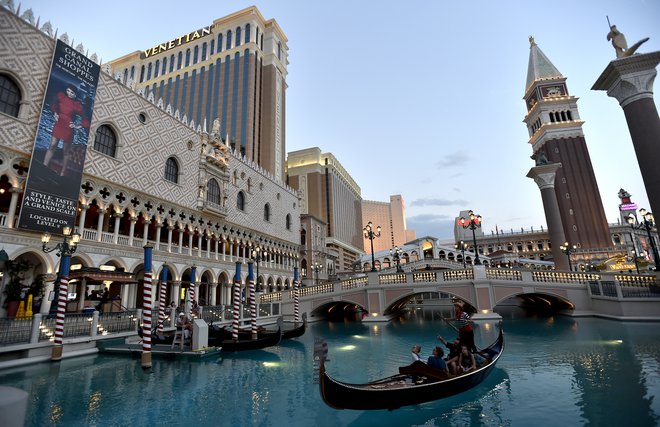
(564, 277)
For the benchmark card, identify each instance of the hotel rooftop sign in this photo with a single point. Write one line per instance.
(176, 42)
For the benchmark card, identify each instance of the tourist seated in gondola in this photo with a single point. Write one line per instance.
(454, 347)
(436, 361)
(463, 363)
(416, 349)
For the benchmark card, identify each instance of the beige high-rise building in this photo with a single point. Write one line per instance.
(233, 71)
(329, 193)
(392, 219)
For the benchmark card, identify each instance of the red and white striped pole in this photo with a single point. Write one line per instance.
(191, 290)
(253, 302)
(65, 265)
(163, 295)
(296, 295)
(237, 303)
(147, 305)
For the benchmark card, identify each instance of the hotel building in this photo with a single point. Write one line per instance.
(233, 70)
(392, 219)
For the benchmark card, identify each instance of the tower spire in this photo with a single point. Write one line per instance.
(540, 67)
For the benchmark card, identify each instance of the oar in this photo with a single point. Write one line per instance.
(454, 327)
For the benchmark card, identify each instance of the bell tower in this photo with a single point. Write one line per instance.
(555, 134)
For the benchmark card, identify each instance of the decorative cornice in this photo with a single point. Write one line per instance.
(544, 175)
(629, 79)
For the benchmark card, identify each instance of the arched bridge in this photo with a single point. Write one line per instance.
(381, 295)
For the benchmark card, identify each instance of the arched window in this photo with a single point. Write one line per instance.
(157, 68)
(303, 237)
(213, 191)
(204, 51)
(172, 170)
(164, 65)
(105, 141)
(266, 212)
(212, 47)
(247, 33)
(171, 63)
(288, 221)
(149, 66)
(219, 43)
(187, 57)
(10, 96)
(196, 55)
(142, 74)
(240, 201)
(256, 39)
(238, 36)
(179, 61)
(228, 45)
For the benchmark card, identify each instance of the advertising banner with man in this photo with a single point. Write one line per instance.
(50, 200)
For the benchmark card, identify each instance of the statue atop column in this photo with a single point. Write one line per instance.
(619, 42)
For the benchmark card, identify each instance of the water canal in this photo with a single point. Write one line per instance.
(555, 371)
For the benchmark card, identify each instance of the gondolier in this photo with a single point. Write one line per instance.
(464, 324)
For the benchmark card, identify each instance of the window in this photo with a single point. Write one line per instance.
(157, 68)
(10, 96)
(247, 33)
(279, 50)
(141, 74)
(105, 141)
(172, 170)
(179, 61)
(288, 221)
(240, 201)
(266, 212)
(187, 57)
(196, 55)
(149, 66)
(228, 46)
(238, 36)
(213, 191)
(204, 57)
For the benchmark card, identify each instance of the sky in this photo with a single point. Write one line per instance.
(422, 99)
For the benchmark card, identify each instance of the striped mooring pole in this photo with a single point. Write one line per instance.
(147, 305)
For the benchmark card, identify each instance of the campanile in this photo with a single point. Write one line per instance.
(555, 134)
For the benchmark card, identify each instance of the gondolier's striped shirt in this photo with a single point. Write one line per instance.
(462, 320)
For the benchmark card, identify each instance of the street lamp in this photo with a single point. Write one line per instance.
(568, 250)
(396, 253)
(462, 246)
(631, 220)
(256, 256)
(316, 267)
(371, 234)
(647, 223)
(473, 223)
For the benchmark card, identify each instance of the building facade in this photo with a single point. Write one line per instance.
(233, 70)
(150, 178)
(392, 219)
(555, 134)
(329, 193)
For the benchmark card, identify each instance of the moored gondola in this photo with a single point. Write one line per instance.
(416, 383)
(298, 329)
(245, 342)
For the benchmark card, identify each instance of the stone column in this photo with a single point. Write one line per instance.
(212, 297)
(131, 231)
(630, 81)
(180, 240)
(544, 176)
(11, 215)
(83, 215)
(99, 225)
(115, 235)
(159, 227)
(169, 237)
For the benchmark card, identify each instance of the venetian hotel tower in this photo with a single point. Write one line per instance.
(233, 70)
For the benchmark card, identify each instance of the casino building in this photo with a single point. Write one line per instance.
(234, 70)
(157, 171)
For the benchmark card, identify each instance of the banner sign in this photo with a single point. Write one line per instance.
(51, 193)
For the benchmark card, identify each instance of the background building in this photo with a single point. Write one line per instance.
(233, 70)
(392, 218)
(329, 193)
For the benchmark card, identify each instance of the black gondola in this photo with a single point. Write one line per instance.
(298, 329)
(416, 383)
(245, 342)
(225, 333)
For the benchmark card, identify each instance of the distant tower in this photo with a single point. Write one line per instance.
(555, 131)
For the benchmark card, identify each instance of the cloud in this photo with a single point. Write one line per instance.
(438, 202)
(434, 225)
(457, 158)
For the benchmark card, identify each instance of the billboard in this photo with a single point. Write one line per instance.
(51, 193)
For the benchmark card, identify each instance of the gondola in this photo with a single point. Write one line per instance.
(245, 342)
(297, 331)
(416, 383)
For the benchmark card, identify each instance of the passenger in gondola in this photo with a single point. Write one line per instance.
(454, 347)
(436, 361)
(416, 349)
(464, 363)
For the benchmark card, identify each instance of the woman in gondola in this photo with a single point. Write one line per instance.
(464, 362)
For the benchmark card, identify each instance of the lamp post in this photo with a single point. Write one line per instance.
(316, 267)
(472, 223)
(568, 250)
(631, 220)
(647, 223)
(64, 249)
(396, 253)
(462, 246)
(371, 234)
(256, 256)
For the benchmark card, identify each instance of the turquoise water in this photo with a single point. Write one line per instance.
(555, 371)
